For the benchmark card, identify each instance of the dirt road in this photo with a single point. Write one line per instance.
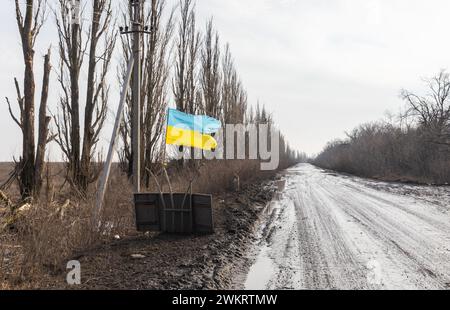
(330, 231)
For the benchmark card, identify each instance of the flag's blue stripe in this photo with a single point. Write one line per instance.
(202, 124)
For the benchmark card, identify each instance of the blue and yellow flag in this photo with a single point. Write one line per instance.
(191, 130)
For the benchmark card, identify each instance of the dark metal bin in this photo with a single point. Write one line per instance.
(194, 216)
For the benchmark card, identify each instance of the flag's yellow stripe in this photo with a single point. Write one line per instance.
(190, 138)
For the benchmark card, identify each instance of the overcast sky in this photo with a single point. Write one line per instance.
(321, 66)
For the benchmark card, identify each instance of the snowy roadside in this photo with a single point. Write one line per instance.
(437, 195)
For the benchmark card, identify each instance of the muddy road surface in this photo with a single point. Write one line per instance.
(331, 231)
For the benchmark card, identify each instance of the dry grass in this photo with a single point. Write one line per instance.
(58, 226)
(215, 176)
(51, 231)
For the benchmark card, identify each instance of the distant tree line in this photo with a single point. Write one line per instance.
(415, 147)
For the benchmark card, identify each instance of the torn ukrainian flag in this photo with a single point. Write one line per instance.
(191, 130)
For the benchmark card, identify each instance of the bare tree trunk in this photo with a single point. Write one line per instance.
(192, 73)
(27, 175)
(72, 50)
(29, 27)
(95, 111)
(183, 42)
(157, 80)
(75, 60)
(44, 121)
(187, 48)
(210, 75)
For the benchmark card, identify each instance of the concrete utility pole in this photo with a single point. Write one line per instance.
(112, 146)
(134, 69)
(136, 91)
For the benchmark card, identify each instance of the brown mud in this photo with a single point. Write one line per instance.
(163, 261)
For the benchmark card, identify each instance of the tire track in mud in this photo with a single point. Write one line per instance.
(347, 271)
(390, 225)
(424, 217)
(332, 232)
(417, 253)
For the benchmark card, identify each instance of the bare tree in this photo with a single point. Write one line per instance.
(155, 82)
(233, 95)
(210, 72)
(44, 121)
(192, 88)
(72, 49)
(432, 111)
(228, 74)
(31, 164)
(71, 53)
(97, 91)
(184, 84)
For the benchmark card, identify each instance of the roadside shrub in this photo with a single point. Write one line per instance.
(388, 152)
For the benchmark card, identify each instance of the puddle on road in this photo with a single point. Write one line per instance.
(261, 272)
(280, 217)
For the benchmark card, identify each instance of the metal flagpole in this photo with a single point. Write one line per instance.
(112, 145)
